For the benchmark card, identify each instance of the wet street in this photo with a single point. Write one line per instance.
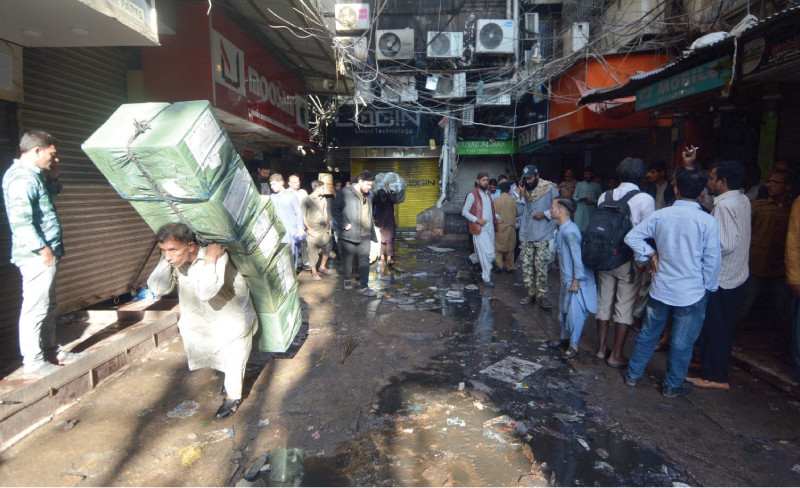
(435, 382)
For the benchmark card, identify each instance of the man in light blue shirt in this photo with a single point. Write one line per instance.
(685, 266)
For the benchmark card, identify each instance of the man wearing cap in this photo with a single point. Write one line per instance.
(479, 211)
(536, 230)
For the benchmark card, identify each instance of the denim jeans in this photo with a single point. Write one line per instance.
(686, 324)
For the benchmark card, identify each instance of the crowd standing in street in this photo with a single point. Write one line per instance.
(217, 321)
(30, 187)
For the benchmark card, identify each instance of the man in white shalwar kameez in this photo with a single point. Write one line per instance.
(479, 211)
(217, 320)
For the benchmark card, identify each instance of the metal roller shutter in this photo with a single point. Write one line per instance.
(422, 180)
(468, 168)
(70, 92)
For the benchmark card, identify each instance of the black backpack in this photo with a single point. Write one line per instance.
(603, 247)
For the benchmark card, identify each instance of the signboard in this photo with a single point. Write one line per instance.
(774, 53)
(506, 146)
(250, 83)
(385, 126)
(708, 76)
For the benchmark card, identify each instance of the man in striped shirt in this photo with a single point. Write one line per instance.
(29, 187)
(732, 213)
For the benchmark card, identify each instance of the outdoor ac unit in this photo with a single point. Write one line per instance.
(445, 44)
(577, 37)
(451, 86)
(399, 89)
(354, 46)
(495, 36)
(351, 17)
(493, 98)
(531, 25)
(394, 44)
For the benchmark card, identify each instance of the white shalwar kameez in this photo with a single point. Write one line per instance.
(484, 242)
(217, 321)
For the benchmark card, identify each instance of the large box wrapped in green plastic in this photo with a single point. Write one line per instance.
(224, 218)
(182, 147)
(277, 329)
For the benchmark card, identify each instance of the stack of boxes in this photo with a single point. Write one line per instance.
(175, 163)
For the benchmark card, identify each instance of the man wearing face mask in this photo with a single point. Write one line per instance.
(535, 233)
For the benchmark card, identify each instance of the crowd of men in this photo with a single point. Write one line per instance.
(696, 251)
(698, 247)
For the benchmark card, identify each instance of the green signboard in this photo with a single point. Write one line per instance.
(699, 79)
(505, 146)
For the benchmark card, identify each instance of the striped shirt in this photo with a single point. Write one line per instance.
(31, 212)
(732, 213)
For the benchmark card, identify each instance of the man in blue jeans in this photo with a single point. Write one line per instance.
(685, 266)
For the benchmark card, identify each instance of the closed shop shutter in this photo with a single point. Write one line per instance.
(70, 92)
(468, 168)
(422, 180)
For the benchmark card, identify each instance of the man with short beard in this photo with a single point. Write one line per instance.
(536, 231)
(352, 210)
(479, 211)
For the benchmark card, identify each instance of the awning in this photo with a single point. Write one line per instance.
(777, 27)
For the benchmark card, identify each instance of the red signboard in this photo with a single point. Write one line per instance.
(212, 58)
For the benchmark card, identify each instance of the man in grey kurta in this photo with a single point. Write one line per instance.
(536, 232)
(218, 320)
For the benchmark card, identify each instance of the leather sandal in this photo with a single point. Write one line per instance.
(527, 300)
(228, 408)
(570, 354)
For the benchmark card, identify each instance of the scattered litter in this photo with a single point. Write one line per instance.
(415, 408)
(263, 422)
(583, 443)
(456, 421)
(430, 300)
(511, 369)
(215, 436)
(602, 453)
(146, 412)
(187, 408)
(568, 418)
(796, 468)
(316, 435)
(440, 249)
(773, 407)
(190, 454)
(461, 386)
(432, 288)
(156, 375)
(408, 431)
(532, 404)
(478, 405)
(252, 471)
(521, 386)
(471, 287)
(481, 386)
(680, 483)
(603, 466)
(69, 424)
(503, 430)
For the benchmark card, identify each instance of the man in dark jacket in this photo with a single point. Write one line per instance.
(352, 210)
(658, 185)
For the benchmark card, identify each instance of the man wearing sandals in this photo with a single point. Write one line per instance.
(315, 216)
(352, 210)
(217, 316)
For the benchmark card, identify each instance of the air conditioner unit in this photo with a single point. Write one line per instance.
(399, 89)
(351, 17)
(451, 86)
(394, 44)
(493, 98)
(495, 36)
(354, 46)
(531, 25)
(445, 44)
(576, 37)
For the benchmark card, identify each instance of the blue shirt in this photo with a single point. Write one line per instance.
(689, 255)
(288, 210)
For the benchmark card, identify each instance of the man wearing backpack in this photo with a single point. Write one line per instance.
(536, 232)
(618, 287)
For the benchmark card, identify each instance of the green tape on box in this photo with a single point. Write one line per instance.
(224, 218)
(277, 330)
(182, 147)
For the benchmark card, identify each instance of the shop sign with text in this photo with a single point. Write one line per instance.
(506, 146)
(708, 76)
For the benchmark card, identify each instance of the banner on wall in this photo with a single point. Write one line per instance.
(385, 126)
